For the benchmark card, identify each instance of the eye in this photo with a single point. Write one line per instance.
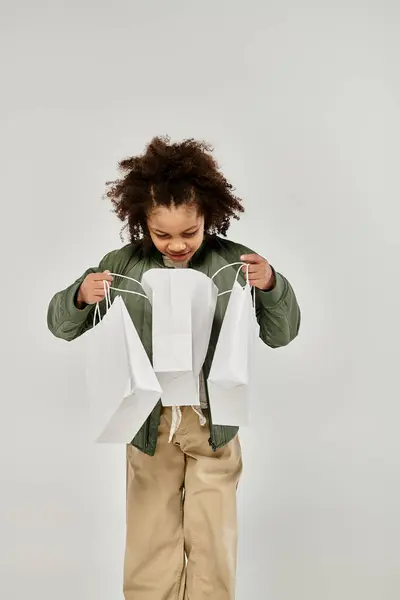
(162, 236)
(190, 235)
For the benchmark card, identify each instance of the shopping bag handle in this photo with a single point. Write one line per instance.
(107, 297)
(128, 291)
(107, 288)
(242, 264)
(226, 267)
(252, 288)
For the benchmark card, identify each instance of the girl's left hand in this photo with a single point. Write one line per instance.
(261, 275)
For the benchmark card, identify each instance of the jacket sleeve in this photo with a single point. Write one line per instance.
(278, 312)
(64, 319)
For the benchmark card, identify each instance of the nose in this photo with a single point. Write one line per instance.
(177, 247)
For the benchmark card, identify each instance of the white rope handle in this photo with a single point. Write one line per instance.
(252, 288)
(236, 280)
(128, 291)
(96, 314)
(247, 273)
(107, 295)
(242, 264)
(253, 295)
(227, 266)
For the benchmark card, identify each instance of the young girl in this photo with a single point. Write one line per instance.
(182, 471)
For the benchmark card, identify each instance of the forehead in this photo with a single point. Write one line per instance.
(174, 219)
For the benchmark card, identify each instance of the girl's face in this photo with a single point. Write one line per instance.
(176, 231)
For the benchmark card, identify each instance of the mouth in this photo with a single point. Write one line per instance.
(179, 257)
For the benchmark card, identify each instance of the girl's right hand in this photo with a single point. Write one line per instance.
(92, 288)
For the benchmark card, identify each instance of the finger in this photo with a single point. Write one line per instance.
(256, 280)
(251, 269)
(103, 276)
(254, 259)
(99, 285)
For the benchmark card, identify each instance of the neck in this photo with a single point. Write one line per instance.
(176, 264)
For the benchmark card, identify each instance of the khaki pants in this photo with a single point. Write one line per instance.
(181, 508)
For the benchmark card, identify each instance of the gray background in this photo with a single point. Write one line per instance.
(301, 102)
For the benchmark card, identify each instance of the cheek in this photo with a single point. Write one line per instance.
(159, 244)
(197, 241)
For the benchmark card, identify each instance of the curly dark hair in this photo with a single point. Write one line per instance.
(178, 174)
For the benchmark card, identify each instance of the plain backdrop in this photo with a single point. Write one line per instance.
(301, 101)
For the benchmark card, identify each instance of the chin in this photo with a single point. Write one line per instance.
(181, 257)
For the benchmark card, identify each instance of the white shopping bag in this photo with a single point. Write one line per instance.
(183, 303)
(122, 384)
(230, 378)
